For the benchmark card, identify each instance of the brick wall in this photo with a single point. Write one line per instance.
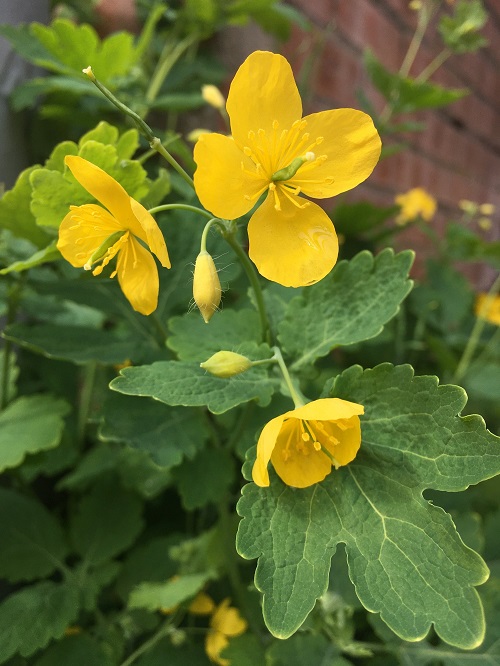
(458, 155)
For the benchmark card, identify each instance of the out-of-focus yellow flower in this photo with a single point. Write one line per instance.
(415, 203)
(304, 444)
(469, 207)
(487, 209)
(213, 96)
(195, 134)
(90, 235)
(202, 604)
(206, 285)
(416, 5)
(226, 364)
(225, 623)
(273, 150)
(488, 308)
(484, 223)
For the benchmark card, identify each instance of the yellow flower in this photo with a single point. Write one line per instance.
(305, 443)
(488, 307)
(487, 209)
(90, 234)
(415, 203)
(274, 150)
(225, 623)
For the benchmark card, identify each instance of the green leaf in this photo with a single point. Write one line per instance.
(405, 94)
(33, 616)
(15, 214)
(28, 425)
(465, 244)
(32, 540)
(166, 434)
(107, 522)
(183, 383)
(304, 649)
(405, 557)
(158, 190)
(148, 562)
(155, 596)
(350, 305)
(54, 188)
(72, 47)
(460, 32)
(78, 650)
(49, 253)
(247, 650)
(205, 479)
(355, 218)
(78, 344)
(193, 340)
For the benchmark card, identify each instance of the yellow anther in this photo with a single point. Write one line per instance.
(305, 436)
(317, 446)
(275, 124)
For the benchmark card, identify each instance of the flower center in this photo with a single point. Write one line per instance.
(312, 437)
(278, 156)
(106, 251)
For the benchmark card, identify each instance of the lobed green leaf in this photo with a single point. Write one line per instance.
(405, 557)
(350, 305)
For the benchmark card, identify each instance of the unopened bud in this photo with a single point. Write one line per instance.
(487, 209)
(177, 637)
(206, 285)
(226, 364)
(195, 134)
(213, 96)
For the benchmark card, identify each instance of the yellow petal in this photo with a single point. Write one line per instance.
(227, 620)
(202, 604)
(292, 466)
(348, 438)
(215, 642)
(107, 191)
(352, 148)
(262, 91)
(294, 246)
(83, 231)
(154, 236)
(138, 276)
(328, 409)
(221, 179)
(265, 446)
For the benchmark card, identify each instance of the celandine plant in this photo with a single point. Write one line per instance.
(333, 455)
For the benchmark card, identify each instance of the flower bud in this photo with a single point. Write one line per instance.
(206, 285)
(213, 96)
(195, 134)
(226, 364)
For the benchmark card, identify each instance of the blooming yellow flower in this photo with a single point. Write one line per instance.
(488, 308)
(225, 623)
(415, 203)
(274, 150)
(90, 234)
(305, 443)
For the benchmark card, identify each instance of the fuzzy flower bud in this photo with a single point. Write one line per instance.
(226, 364)
(206, 285)
(213, 96)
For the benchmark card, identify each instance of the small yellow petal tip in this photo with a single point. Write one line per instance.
(213, 96)
(88, 71)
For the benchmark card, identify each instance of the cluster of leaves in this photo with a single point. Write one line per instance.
(121, 458)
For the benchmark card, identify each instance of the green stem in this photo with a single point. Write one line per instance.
(178, 206)
(206, 229)
(424, 17)
(89, 373)
(298, 399)
(434, 65)
(475, 335)
(233, 571)
(253, 278)
(167, 60)
(151, 642)
(142, 126)
(13, 299)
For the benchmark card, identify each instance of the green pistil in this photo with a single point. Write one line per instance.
(103, 248)
(290, 171)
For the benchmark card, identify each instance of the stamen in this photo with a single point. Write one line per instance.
(277, 204)
(292, 199)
